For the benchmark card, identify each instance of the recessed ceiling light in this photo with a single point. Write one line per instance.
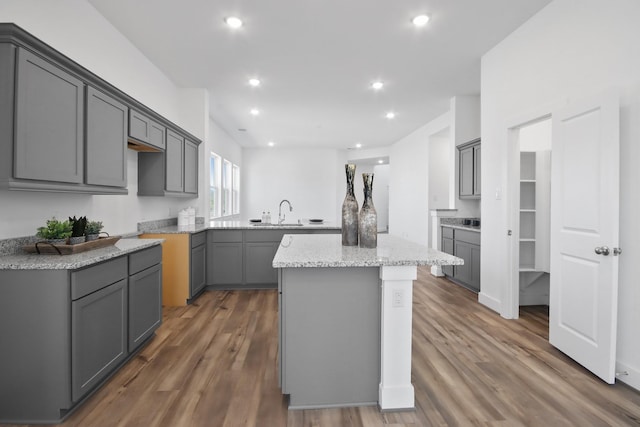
(420, 20)
(233, 22)
(380, 161)
(358, 145)
(271, 143)
(255, 112)
(390, 115)
(254, 82)
(377, 85)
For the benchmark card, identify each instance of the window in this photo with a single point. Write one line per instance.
(224, 187)
(214, 186)
(235, 194)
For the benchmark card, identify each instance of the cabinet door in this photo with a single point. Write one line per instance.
(49, 138)
(106, 140)
(174, 158)
(157, 135)
(466, 172)
(475, 268)
(139, 126)
(476, 170)
(198, 277)
(190, 167)
(145, 305)
(463, 272)
(98, 336)
(259, 262)
(225, 260)
(447, 247)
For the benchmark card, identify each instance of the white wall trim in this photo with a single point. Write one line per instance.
(491, 302)
(633, 377)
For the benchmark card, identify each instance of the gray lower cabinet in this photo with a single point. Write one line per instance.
(243, 258)
(198, 261)
(466, 245)
(65, 332)
(106, 144)
(145, 295)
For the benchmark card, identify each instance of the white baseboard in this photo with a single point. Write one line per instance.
(632, 376)
(490, 302)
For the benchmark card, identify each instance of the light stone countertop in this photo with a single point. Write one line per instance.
(326, 250)
(462, 227)
(238, 225)
(74, 261)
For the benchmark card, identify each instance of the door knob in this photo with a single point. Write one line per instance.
(602, 250)
(617, 251)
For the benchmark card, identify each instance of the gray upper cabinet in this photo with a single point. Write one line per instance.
(61, 127)
(49, 140)
(106, 144)
(469, 170)
(174, 157)
(190, 167)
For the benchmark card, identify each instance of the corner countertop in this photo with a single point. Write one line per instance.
(238, 225)
(475, 228)
(326, 250)
(73, 262)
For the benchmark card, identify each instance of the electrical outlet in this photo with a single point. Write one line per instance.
(397, 299)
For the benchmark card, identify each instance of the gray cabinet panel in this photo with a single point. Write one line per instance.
(49, 139)
(469, 163)
(463, 250)
(90, 279)
(190, 167)
(139, 126)
(106, 143)
(258, 262)
(144, 259)
(447, 247)
(98, 336)
(145, 304)
(198, 277)
(174, 158)
(157, 135)
(226, 263)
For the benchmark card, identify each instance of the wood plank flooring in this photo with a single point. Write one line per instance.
(214, 363)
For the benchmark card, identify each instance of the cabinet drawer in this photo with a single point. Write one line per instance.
(226, 236)
(198, 239)
(265, 235)
(144, 259)
(91, 279)
(468, 236)
(447, 232)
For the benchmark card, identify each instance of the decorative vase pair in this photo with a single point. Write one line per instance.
(359, 229)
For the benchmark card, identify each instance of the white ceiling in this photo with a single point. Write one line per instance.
(317, 58)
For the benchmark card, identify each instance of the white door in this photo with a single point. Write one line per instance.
(584, 220)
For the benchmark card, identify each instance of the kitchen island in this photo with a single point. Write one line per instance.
(345, 320)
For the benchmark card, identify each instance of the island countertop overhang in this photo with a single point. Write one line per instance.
(304, 250)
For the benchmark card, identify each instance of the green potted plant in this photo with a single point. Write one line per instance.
(55, 232)
(92, 230)
(78, 226)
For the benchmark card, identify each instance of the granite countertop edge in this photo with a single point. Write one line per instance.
(24, 261)
(462, 227)
(236, 225)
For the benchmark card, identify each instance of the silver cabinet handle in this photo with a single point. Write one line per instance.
(602, 250)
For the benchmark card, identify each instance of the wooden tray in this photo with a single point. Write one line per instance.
(49, 249)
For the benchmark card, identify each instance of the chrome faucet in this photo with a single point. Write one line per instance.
(281, 216)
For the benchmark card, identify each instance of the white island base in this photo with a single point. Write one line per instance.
(345, 320)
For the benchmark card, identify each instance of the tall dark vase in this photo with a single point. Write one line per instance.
(368, 226)
(350, 211)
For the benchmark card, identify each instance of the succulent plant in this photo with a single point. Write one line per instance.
(93, 227)
(78, 225)
(55, 229)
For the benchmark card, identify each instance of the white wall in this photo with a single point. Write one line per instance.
(313, 180)
(76, 29)
(380, 191)
(570, 49)
(440, 165)
(409, 182)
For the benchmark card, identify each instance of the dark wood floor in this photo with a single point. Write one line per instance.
(214, 363)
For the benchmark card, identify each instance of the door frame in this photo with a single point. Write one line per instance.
(510, 304)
